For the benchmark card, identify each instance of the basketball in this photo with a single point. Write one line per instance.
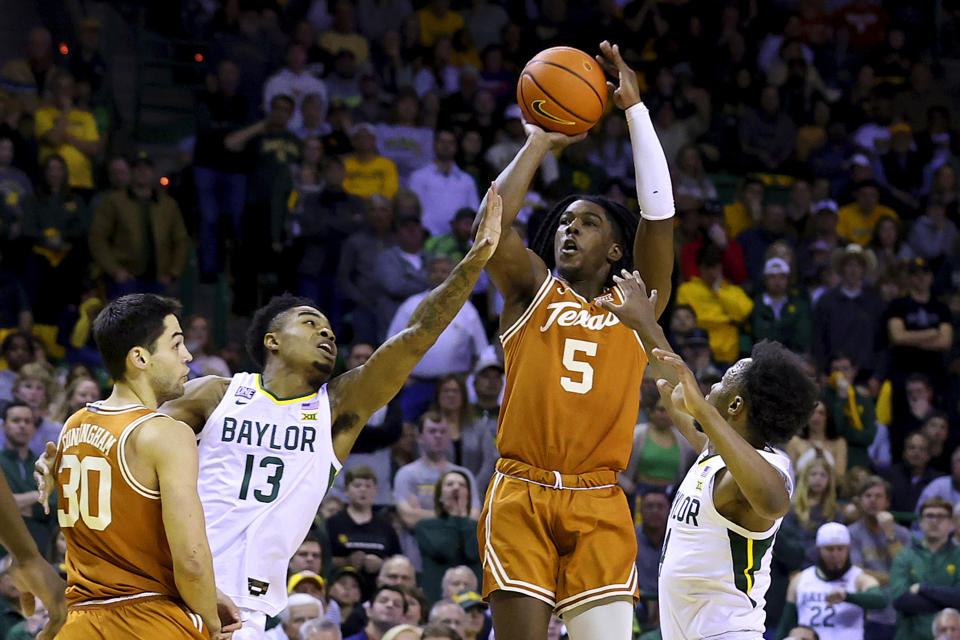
(562, 89)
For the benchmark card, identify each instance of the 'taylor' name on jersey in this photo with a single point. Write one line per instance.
(568, 314)
(259, 434)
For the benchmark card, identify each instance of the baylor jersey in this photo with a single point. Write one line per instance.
(841, 621)
(265, 465)
(714, 574)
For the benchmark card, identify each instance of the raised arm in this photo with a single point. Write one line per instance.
(356, 394)
(516, 271)
(200, 397)
(653, 253)
(760, 483)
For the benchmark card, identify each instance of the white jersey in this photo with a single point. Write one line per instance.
(843, 621)
(714, 574)
(265, 465)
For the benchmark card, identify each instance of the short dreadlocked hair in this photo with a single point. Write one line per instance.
(265, 320)
(780, 396)
(624, 222)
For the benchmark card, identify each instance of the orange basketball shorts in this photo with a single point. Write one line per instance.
(147, 618)
(567, 540)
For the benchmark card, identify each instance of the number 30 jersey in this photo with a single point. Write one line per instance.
(116, 545)
(265, 465)
(573, 374)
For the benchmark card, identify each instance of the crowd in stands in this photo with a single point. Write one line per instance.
(339, 151)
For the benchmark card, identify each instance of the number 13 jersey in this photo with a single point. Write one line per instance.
(573, 374)
(265, 465)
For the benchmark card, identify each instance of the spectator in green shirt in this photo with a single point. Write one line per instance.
(777, 315)
(456, 242)
(16, 461)
(924, 577)
(853, 413)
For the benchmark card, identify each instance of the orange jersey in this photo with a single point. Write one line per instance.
(572, 393)
(116, 545)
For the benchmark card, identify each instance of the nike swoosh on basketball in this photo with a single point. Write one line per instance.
(537, 106)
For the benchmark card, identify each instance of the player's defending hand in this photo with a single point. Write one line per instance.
(229, 616)
(627, 93)
(43, 475)
(488, 231)
(638, 311)
(685, 396)
(36, 577)
(552, 140)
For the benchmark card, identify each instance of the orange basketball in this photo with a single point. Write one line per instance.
(562, 89)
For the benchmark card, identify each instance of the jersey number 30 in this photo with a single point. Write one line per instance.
(77, 492)
(571, 348)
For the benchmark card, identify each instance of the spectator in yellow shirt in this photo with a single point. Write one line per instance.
(719, 305)
(69, 132)
(438, 21)
(745, 210)
(368, 173)
(856, 220)
(344, 34)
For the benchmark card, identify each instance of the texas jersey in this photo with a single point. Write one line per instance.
(116, 545)
(841, 621)
(714, 574)
(265, 465)
(573, 374)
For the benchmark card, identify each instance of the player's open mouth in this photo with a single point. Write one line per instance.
(325, 346)
(568, 247)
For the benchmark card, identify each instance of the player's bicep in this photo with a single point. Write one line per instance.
(200, 397)
(516, 271)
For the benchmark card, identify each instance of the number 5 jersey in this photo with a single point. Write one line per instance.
(265, 465)
(573, 375)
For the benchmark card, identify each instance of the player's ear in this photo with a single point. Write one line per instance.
(270, 341)
(614, 253)
(737, 406)
(138, 358)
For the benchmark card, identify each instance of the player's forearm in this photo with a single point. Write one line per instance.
(761, 484)
(874, 598)
(14, 535)
(193, 575)
(27, 499)
(514, 181)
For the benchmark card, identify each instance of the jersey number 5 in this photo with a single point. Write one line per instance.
(571, 348)
(77, 492)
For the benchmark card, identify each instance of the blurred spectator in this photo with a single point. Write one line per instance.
(313, 109)
(78, 394)
(502, 153)
(198, 343)
(814, 502)
(720, 306)
(14, 185)
(359, 537)
(660, 455)
(449, 540)
(70, 132)
(779, 315)
(450, 401)
(850, 410)
(383, 429)
(403, 140)
(707, 223)
(921, 94)
(343, 33)
(888, 246)
(300, 608)
(847, 591)
(17, 350)
(397, 571)
(921, 580)
(29, 77)
(414, 484)
(875, 540)
(946, 625)
(945, 487)
(920, 405)
(933, 235)
(772, 227)
(903, 167)
(252, 46)
(767, 135)
(386, 610)
(455, 243)
(443, 188)
(946, 190)
(295, 81)
(343, 81)
(857, 219)
(418, 606)
(746, 208)
(367, 172)
(16, 461)
(937, 431)
(438, 21)
(138, 238)
(86, 64)
(377, 17)
(689, 177)
(812, 135)
(55, 224)
(848, 317)
(436, 631)
(477, 625)
(219, 171)
(401, 271)
(356, 270)
(611, 150)
(819, 439)
(317, 629)
(654, 511)
(344, 589)
(910, 476)
(118, 179)
(446, 613)
(799, 207)
(485, 20)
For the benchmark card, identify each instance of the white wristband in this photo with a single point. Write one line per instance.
(654, 188)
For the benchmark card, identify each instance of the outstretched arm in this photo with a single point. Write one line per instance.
(653, 254)
(760, 483)
(356, 394)
(200, 397)
(517, 272)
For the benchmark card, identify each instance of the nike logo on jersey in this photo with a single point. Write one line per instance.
(569, 314)
(537, 106)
